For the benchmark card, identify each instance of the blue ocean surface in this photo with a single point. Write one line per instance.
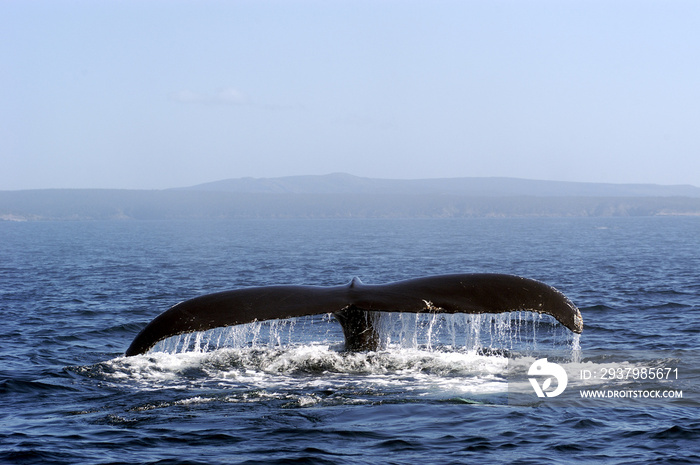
(73, 295)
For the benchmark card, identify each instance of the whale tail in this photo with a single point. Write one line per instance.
(355, 305)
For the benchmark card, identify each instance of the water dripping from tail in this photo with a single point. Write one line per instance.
(520, 333)
(266, 334)
(513, 332)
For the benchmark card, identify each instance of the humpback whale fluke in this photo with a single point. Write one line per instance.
(355, 305)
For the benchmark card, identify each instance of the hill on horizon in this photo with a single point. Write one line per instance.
(346, 196)
(343, 183)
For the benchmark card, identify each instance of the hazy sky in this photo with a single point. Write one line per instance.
(157, 94)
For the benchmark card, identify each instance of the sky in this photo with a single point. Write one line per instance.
(146, 94)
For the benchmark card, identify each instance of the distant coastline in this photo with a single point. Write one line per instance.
(346, 196)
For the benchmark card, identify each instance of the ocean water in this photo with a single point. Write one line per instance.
(74, 294)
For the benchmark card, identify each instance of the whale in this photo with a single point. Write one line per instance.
(357, 306)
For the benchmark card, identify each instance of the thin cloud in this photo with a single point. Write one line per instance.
(231, 96)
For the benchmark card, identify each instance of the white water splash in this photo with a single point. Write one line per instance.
(313, 373)
(445, 356)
